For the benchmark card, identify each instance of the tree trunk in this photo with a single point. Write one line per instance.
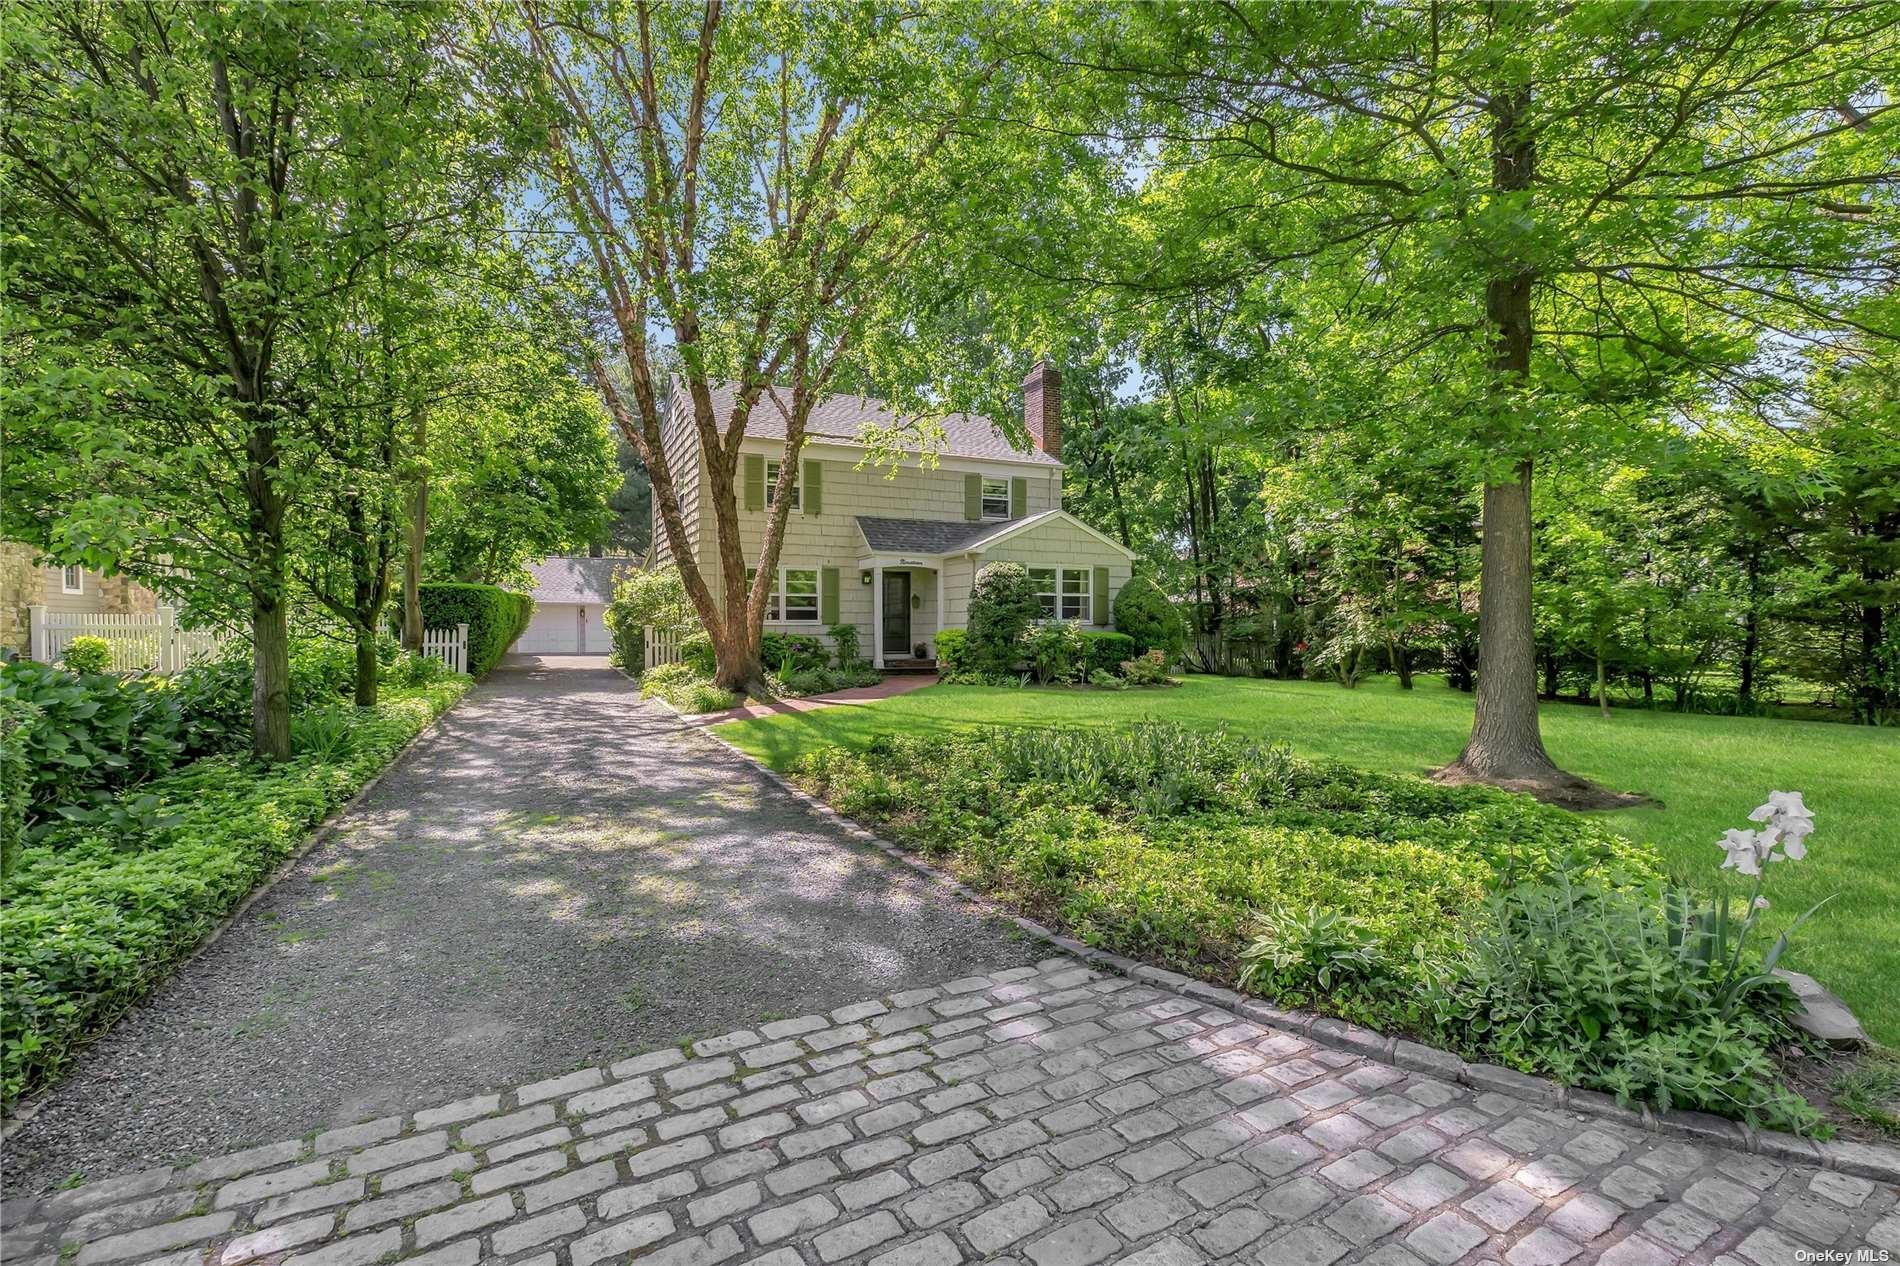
(1552, 677)
(1603, 698)
(1401, 661)
(1506, 747)
(417, 537)
(366, 668)
(270, 675)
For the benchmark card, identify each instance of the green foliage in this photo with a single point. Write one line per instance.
(88, 925)
(495, 618)
(87, 655)
(686, 688)
(647, 599)
(16, 768)
(1105, 652)
(1147, 670)
(1102, 679)
(88, 734)
(844, 641)
(696, 651)
(1388, 900)
(1003, 604)
(1302, 955)
(953, 651)
(324, 735)
(1055, 651)
(792, 652)
(1144, 613)
(1602, 987)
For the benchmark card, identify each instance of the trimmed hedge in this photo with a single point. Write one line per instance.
(1106, 652)
(495, 618)
(93, 918)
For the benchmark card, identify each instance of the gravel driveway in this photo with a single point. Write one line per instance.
(559, 875)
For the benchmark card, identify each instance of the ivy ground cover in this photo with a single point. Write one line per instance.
(93, 918)
(1704, 773)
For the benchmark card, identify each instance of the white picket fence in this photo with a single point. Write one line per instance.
(149, 641)
(448, 645)
(660, 646)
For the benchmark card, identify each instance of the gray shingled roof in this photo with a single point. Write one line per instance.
(926, 536)
(840, 419)
(577, 579)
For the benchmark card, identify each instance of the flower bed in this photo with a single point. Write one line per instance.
(1471, 918)
(95, 913)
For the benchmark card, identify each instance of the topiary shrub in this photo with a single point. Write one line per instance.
(1104, 652)
(88, 655)
(1003, 604)
(495, 618)
(1144, 613)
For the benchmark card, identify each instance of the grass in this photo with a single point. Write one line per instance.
(1705, 773)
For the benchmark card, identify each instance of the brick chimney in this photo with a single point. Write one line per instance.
(1042, 408)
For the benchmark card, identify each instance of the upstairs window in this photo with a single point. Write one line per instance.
(72, 580)
(772, 471)
(995, 498)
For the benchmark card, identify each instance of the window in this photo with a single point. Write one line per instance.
(1075, 593)
(995, 498)
(1044, 578)
(794, 596)
(72, 580)
(772, 470)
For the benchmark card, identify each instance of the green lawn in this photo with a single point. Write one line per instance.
(1705, 772)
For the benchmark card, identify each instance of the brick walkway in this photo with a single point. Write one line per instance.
(1046, 1115)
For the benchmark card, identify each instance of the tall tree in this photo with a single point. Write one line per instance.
(201, 185)
(1571, 211)
(765, 193)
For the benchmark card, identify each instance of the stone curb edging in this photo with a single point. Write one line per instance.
(323, 833)
(1879, 1162)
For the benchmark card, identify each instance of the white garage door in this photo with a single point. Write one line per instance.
(554, 629)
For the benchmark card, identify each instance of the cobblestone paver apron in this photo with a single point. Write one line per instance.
(1044, 1114)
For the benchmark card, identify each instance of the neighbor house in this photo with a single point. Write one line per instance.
(570, 605)
(26, 584)
(895, 552)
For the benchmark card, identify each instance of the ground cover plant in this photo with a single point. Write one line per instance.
(100, 900)
(1699, 770)
(1452, 914)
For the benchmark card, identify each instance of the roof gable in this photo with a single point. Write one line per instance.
(577, 579)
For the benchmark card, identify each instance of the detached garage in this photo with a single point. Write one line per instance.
(570, 605)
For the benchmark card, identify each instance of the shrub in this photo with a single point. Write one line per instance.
(1305, 954)
(1103, 680)
(15, 782)
(1003, 603)
(87, 655)
(495, 618)
(794, 651)
(1144, 613)
(953, 649)
(844, 640)
(88, 734)
(1148, 670)
(1105, 652)
(696, 651)
(214, 702)
(807, 681)
(647, 599)
(322, 670)
(87, 928)
(1055, 651)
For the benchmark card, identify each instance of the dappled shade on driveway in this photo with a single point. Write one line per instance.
(556, 876)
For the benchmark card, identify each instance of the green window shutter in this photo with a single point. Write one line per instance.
(827, 594)
(1018, 498)
(973, 497)
(1101, 595)
(812, 491)
(755, 481)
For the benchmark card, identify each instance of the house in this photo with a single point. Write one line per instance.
(570, 605)
(895, 552)
(25, 584)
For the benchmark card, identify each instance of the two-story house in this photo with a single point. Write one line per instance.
(895, 552)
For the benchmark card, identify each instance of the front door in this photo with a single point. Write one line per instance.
(897, 613)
